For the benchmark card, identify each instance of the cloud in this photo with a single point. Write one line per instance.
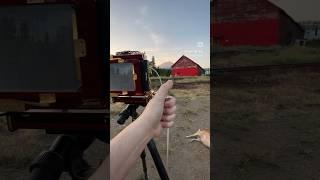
(156, 38)
(138, 21)
(143, 10)
(200, 44)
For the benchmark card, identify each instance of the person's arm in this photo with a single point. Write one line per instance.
(127, 146)
(102, 173)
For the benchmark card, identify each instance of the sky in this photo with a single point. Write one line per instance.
(300, 10)
(165, 29)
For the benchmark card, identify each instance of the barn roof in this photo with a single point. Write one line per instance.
(237, 10)
(232, 10)
(286, 14)
(183, 57)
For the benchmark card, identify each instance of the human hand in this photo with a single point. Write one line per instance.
(161, 110)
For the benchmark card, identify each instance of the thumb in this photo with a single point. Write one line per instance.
(163, 91)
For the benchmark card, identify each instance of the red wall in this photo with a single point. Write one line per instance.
(262, 32)
(192, 71)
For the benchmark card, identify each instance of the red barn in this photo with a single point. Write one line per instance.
(252, 23)
(186, 67)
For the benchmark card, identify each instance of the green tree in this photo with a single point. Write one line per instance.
(151, 64)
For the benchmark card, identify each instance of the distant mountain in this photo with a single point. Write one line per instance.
(166, 65)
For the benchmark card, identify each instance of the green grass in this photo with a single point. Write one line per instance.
(155, 83)
(286, 55)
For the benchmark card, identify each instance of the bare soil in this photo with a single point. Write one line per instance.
(266, 126)
(18, 149)
(186, 160)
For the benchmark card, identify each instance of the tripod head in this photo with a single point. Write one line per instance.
(129, 110)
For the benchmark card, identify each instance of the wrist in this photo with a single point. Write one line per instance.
(145, 125)
(151, 128)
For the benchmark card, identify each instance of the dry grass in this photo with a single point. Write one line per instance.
(286, 55)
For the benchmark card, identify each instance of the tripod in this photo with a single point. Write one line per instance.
(131, 110)
(65, 154)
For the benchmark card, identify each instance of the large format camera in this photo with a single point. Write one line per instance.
(129, 80)
(54, 64)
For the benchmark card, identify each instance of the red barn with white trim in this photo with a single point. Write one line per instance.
(252, 23)
(186, 67)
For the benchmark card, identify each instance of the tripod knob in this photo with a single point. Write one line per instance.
(129, 110)
(122, 119)
(48, 165)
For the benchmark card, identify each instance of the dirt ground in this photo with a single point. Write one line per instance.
(18, 149)
(266, 125)
(186, 160)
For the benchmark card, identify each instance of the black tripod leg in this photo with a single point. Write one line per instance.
(144, 164)
(50, 164)
(78, 168)
(157, 160)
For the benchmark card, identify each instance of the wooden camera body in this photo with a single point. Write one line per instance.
(53, 63)
(129, 80)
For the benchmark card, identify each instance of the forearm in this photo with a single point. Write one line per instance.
(102, 171)
(127, 146)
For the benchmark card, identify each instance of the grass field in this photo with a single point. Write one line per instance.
(287, 55)
(186, 160)
(266, 125)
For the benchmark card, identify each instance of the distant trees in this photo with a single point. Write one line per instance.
(160, 71)
(153, 62)
(163, 72)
